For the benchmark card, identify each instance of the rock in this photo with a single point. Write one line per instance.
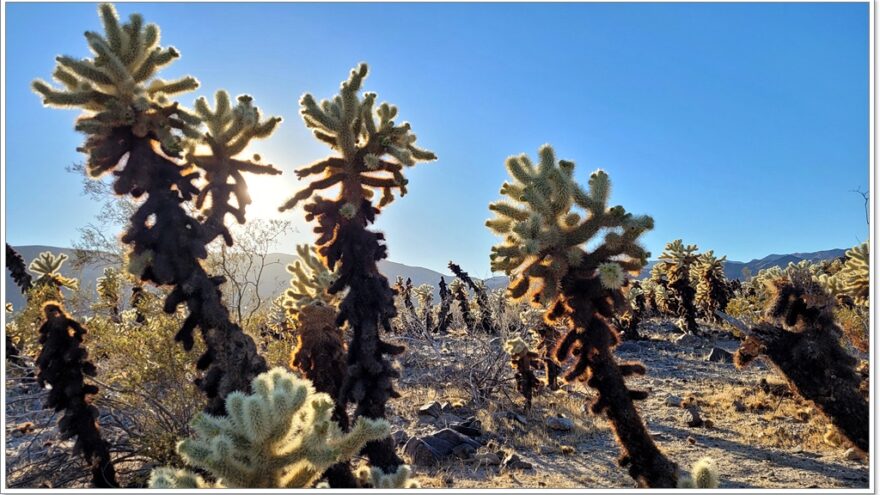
(513, 461)
(566, 449)
(691, 417)
(464, 451)
(400, 437)
(691, 440)
(432, 409)
(430, 449)
(673, 401)
(559, 423)
(471, 427)
(448, 419)
(738, 406)
(719, 355)
(487, 459)
(688, 340)
(519, 418)
(854, 454)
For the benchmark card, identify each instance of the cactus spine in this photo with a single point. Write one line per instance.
(371, 157)
(544, 253)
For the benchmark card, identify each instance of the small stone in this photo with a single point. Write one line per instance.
(738, 406)
(708, 423)
(24, 428)
(854, 454)
(673, 401)
(691, 417)
(567, 449)
(559, 423)
(513, 461)
(719, 355)
(692, 440)
(487, 459)
(431, 409)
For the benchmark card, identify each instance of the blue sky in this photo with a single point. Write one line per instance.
(739, 127)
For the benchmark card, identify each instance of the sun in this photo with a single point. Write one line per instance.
(268, 192)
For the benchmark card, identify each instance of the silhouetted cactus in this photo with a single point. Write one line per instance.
(677, 261)
(544, 253)
(444, 317)
(63, 365)
(136, 132)
(800, 337)
(404, 290)
(464, 306)
(486, 323)
(371, 157)
(281, 436)
(712, 289)
(18, 272)
(523, 360)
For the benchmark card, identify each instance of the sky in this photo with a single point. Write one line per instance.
(742, 128)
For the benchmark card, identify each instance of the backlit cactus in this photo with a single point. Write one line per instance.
(63, 364)
(547, 223)
(310, 282)
(712, 291)
(281, 436)
(372, 151)
(854, 278)
(46, 266)
(375, 478)
(704, 475)
(677, 261)
(460, 293)
(425, 294)
(134, 130)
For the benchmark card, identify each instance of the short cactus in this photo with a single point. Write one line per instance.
(375, 478)
(703, 475)
(523, 360)
(281, 436)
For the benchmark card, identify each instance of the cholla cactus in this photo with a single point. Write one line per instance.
(635, 309)
(712, 293)
(800, 337)
(546, 337)
(854, 278)
(523, 360)
(281, 436)
(404, 291)
(460, 294)
(704, 474)
(375, 478)
(15, 265)
(444, 317)
(425, 295)
(372, 154)
(320, 353)
(309, 283)
(46, 266)
(677, 261)
(109, 287)
(230, 130)
(63, 365)
(486, 322)
(135, 131)
(545, 254)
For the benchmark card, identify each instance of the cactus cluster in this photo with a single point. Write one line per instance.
(63, 364)
(281, 436)
(713, 292)
(547, 223)
(486, 322)
(134, 130)
(310, 283)
(372, 151)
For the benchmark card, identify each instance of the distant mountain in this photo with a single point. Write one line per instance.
(274, 280)
(275, 277)
(734, 269)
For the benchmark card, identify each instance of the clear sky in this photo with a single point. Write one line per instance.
(739, 127)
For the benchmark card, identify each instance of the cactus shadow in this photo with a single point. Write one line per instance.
(848, 475)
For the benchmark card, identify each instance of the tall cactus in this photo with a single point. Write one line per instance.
(17, 270)
(444, 317)
(425, 295)
(63, 365)
(460, 294)
(371, 157)
(544, 252)
(712, 289)
(137, 132)
(677, 261)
